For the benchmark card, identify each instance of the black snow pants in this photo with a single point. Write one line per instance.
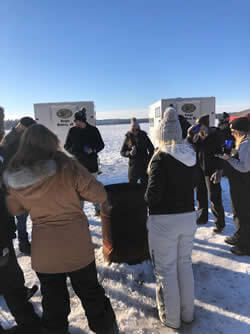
(15, 294)
(56, 302)
(240, 200)
(204, 188)
(137, 172)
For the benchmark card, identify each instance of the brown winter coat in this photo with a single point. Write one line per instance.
(61, 240)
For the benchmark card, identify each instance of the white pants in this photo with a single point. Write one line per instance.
(170, 243)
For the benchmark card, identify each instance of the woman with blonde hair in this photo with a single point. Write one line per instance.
(172, 222)
(237, 169)
(49, 185)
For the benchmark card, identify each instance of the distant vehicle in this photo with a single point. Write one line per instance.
(59, 117)
(190, 107)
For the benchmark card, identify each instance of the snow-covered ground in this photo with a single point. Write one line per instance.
(221, 279)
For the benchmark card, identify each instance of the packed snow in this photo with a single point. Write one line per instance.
(221, 279)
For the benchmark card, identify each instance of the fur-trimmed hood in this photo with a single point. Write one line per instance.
(27, 177)
(182, 152)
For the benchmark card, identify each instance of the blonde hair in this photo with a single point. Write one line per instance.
(171, 143)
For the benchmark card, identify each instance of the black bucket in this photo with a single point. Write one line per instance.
(124, 221)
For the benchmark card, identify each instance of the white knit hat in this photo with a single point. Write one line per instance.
(170, 128)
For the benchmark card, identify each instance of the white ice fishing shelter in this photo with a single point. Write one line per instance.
(59, 117)
(191, 108)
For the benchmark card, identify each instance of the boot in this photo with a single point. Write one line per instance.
(231, 240)
(218, 229)
(238, 251)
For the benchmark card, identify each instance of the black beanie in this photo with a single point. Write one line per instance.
(225, 115)
(204, 120)
(81, 115)
(27, 121)
(240, 124)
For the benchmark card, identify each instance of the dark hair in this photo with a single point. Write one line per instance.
(39, 144)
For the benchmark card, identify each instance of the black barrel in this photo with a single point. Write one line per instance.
(124, 220)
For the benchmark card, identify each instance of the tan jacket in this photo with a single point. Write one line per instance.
(61, 240)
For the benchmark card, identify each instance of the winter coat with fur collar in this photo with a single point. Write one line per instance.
(172, 179)
(61, 239)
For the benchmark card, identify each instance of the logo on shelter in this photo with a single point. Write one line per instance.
(64, 113)
(188, 108)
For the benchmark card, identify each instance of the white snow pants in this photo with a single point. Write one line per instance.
(170, 243)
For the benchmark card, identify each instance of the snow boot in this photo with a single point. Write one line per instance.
(231, 240)
(218, 230)
(238, 251)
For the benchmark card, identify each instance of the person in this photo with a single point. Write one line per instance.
(224, 126)
(237, 170)
(12, 287)
(49, 185)
(137, 147)
(207, 142)
(171, 222)
(84, 142)
(10, 144)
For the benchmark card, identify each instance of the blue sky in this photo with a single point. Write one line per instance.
(123, 54)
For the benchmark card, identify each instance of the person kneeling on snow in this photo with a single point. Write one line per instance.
(171, 223)
(49, 185)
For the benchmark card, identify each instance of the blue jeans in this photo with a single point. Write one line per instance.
(22, 227)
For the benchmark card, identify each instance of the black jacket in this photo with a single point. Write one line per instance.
(7, 223)
(10, 144)
(144, 149)
(171, 185)
(77, 141)
(206, 150)
(185, 125)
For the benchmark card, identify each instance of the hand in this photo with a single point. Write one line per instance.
(216, 176)
(224, 156)
(89, 150)
(133, 151)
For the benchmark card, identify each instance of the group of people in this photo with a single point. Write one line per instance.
(50, 186)
(190, 158)
(40, 180)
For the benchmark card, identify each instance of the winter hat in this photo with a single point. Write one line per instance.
(27, 121)
(81, 115)
(225, 115)
(170, 128)
(134, 124)
(240, 124)
(203, 120)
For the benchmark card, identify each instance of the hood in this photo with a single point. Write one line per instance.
(26, 177)
(182, 152)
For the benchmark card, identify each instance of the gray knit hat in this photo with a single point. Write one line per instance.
(170, 128)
